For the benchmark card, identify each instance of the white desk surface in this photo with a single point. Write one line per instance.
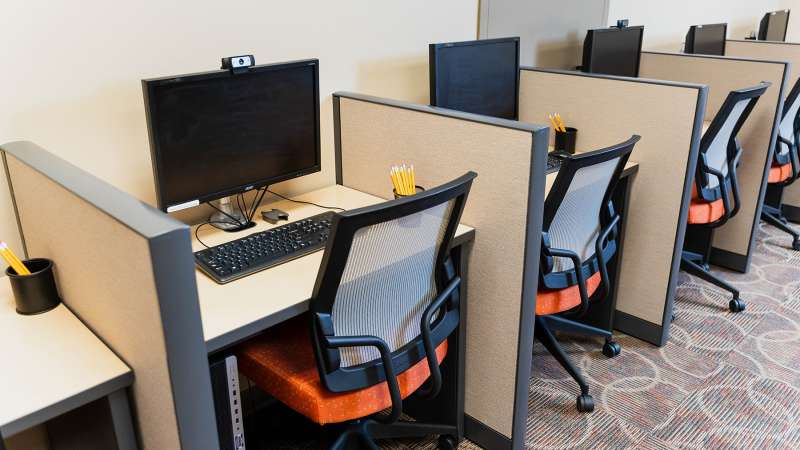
(52, 364)
(234, 311)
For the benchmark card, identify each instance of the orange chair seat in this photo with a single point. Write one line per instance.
(701, 211)
(554, 301)
(779, 174)
(281, 362)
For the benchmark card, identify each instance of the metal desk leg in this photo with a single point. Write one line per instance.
(122, 420)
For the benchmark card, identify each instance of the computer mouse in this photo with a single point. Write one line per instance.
(274, 216)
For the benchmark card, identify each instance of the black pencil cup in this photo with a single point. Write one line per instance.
(35, 293)
(565, 140)
(416, 190)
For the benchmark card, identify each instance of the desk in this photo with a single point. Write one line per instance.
(54, 364)
(234, 311)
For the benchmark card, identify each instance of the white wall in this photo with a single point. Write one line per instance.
(551, 32)
(666, 22)
(72, 70)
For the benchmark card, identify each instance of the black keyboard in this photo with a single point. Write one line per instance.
(553, 163)
(265, 249)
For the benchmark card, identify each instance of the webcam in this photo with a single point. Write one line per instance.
(623, 23)
(238, 64)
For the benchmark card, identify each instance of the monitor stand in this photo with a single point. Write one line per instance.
(226, 220)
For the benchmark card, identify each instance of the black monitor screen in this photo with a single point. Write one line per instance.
(774, 26)
(613, 51)
(477, 76)
(215, 134)
(707, 39)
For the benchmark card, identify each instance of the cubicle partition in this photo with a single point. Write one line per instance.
(733, 243)
(505, 206)
(607, 110)
(126, 270)
(775, 51)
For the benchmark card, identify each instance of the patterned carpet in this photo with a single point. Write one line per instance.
(724, 381)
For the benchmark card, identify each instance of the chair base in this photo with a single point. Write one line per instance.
(691, 263)
(543, 332)
(363, 434)
(774, 217)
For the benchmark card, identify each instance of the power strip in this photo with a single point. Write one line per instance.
(235, 402)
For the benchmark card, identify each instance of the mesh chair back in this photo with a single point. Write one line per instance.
(788, 129)
(577, 206)
(388, 281)
(383, 266)
(718, 145)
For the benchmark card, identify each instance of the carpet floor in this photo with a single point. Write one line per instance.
(724, 380)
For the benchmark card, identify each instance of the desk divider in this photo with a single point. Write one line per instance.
(505, 206)
(126, 270)
(733, 243)
(775, 51)
(607, 110)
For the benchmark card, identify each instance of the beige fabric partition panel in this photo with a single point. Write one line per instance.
(606, 111)
(105, 274)
(774, 51)
(373, 137)
(723, 75)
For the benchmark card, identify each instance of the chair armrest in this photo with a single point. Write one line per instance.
(430, 349)
(388, 367)
(599, 245)
(576, 261)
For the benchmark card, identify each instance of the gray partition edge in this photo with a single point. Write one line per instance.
(173, 268)
(530, 281)
(635, 326)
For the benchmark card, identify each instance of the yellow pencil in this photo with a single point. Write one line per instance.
(19, 262)
(393, 175)
(413, 181)
(553, 122)
(404, 179)
(561, 122)
(13, 261)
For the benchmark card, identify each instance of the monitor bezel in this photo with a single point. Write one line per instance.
(693, 33)
(590, 34)
(148, 86)
(434, 50)
(766, 22)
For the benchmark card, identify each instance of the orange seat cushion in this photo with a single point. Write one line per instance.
(554, 301)
(281, 362)
(701, 211)
(779, 174)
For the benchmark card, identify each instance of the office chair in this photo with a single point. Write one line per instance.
(715, 182)
(580, 231)
(785, 165)
(385, 302)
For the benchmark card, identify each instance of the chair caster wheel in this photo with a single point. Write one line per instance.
(796, 244)
(736, 305)
(447, 442)
(611, 349)
(585, 403)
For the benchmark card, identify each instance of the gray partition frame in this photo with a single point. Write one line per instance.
(173, 268)
(624, 322)
(480, 432)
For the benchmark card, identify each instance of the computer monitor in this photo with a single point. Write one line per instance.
(479, 77)
(773, 26)
(613, 51)
(707, 39)
(215, 134)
